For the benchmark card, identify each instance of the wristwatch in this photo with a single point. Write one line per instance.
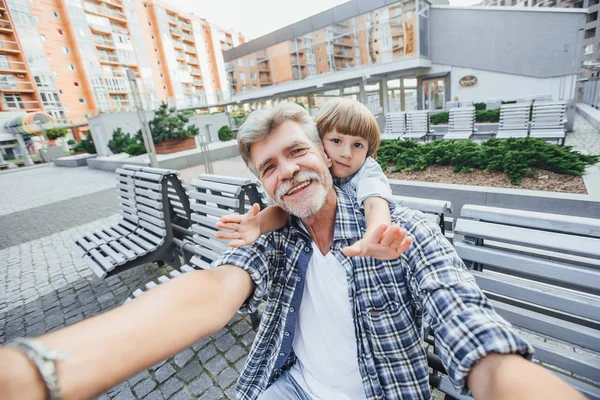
(44, 360)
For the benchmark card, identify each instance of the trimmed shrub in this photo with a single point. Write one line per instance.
(515, 157)
(480, 106)
(440, 118)
(169, 124)
(86, 145)
(225, 133)
(120, 140)
(135, 149)
(487, 115)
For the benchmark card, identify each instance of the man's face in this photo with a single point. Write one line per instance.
(293, 170)
(347, 153)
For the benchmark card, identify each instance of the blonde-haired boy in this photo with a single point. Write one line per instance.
(350, 137)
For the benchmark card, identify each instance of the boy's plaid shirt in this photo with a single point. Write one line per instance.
(388, 300)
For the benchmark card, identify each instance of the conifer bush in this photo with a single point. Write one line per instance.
(515, 157)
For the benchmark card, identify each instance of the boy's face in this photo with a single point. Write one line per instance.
(347, 153)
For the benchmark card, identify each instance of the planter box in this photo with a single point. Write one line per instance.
(175, 145)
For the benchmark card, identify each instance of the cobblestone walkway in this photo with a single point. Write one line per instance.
(41, 186)
(584, 138)
(34, 223)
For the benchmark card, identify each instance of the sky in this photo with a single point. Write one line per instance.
(254, 18)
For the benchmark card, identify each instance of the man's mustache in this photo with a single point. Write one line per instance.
(300, 177)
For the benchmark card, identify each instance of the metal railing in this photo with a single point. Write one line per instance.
(16, 85)
(120, 30)
(107, 57)
(20, 105)
(116, 84)
(104, 42)
(12, 65)
(190, 50)
(195, 71)
(193, 60)
(8, 45)
(198, 82)
(4, 24)
(176, 31)
(189, 38)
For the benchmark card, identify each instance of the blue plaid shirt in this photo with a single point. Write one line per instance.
(389, 300)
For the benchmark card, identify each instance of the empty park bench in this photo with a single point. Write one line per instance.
(514, 121)
(395, 126)
(418, 126)
(541, 272)
(461, 123)
(152, 201)
(548, 121)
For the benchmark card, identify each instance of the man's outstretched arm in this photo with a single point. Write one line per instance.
(107, 349)
(509, 376)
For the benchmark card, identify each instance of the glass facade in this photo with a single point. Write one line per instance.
(379, 36)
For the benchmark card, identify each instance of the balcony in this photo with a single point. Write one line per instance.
(343, 54)
(113, 2)
(266, 81)
(119, 104)
(188, 38)
(108, 59)
(190, 50)
(16, 104)
(5, 26)
(16, 67)
(186, 27)
(116, 84)
(176, 32)
(7, 46)
(229, 67)
(103, 42)
(198, 82)
(177, 45)
(195, 72)
(263, 67)
(16, 87)
(180, 57)
(105, 12)
(193, 61)
(341, 41)
(120, 30)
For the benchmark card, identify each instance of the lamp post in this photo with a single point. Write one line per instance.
(139, 107)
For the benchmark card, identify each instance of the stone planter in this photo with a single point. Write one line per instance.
(175, 145)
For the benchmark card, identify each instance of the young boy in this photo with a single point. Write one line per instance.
(350, 137)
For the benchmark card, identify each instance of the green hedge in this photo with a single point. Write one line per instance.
(515, 157)
(442, 118)
(86, 145)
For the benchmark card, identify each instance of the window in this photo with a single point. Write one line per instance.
(55, 74)
(43, 38)
(71, 67)
(13, 101)
(591, 17)
(320, 59)
(4, 63)
(60, 91)
(66, 50)
(76, 83)
(252, 75)
(37, 18)
(55, 14)
(588, 49)
(590, 33)
(60, 32)
(82, 100)
(158, 62)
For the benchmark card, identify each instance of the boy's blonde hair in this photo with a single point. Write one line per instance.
(349, 117)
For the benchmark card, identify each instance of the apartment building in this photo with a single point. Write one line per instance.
(70, 58)
(412, 54)
(590, 36)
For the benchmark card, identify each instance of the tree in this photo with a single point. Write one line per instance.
(169, 124)
(55, 133)
(86, 145)
(120, 140)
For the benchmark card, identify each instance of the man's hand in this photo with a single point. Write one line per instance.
(386, 242)
(246, 228)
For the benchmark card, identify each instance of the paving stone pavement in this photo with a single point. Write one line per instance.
(44, 286)
(34, 223)
(584, 138)
(41, 186)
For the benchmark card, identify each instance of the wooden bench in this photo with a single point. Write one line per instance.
(461, 124)
(418, 125)
(434, 210)
(212, 197)
(541, 273)
(514, 121)
(548, 121)
(149, 210)
(395, 126)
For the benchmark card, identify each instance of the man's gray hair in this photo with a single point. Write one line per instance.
(261, 123)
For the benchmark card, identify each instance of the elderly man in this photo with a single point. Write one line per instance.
(333, 328)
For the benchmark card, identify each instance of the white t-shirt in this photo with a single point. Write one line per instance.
(368, 181)
(324, 340)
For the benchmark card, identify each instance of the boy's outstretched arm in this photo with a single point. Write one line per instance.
(109, 348)
(248, 227)
(382, 240)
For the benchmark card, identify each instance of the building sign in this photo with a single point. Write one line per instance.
(468, 81)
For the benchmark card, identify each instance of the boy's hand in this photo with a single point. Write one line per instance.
(246, 228)
(386, 242)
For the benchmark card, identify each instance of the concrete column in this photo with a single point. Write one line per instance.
(1, 157)
(384, 100)
(362, 96)
(402, 102)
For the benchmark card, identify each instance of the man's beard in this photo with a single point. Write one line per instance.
(304, 207)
